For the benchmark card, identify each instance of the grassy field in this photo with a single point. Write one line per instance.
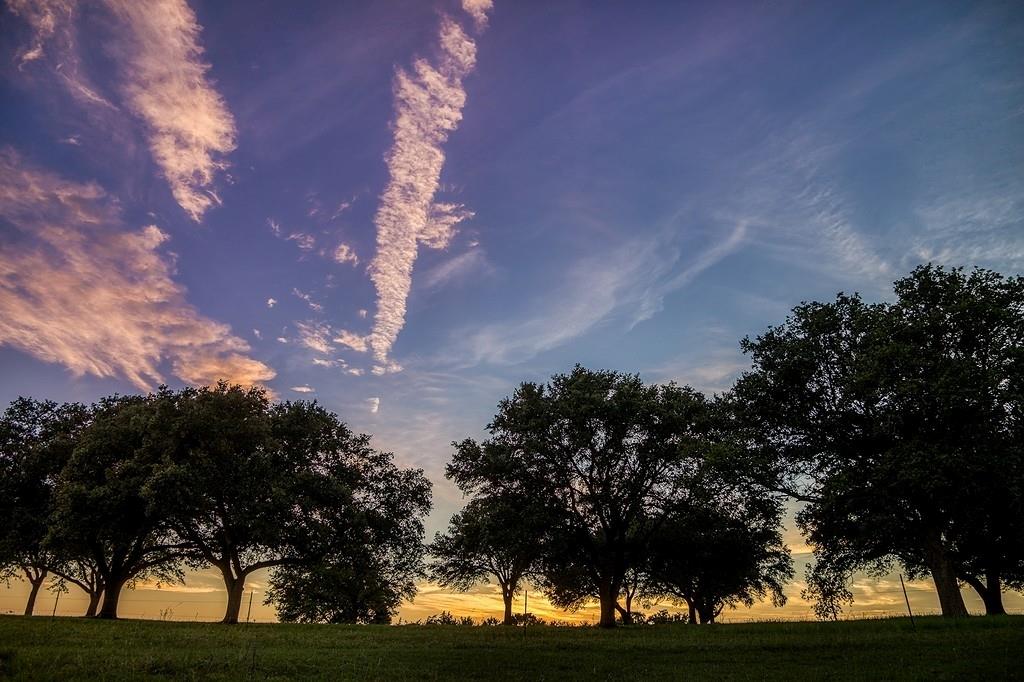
(75, 648)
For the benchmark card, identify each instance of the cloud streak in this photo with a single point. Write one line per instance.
(78, 289)
(629, 282)
(428, 106)
(163, 80)
(189, 127)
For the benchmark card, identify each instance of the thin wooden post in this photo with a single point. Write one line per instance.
(907, 599)
(249, 612)
(55, 602)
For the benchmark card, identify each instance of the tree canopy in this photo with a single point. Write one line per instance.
(499, 536)
(606, 455)
(898, 426)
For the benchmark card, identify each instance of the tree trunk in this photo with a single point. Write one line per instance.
(236, 588)
(991, 592)
(608, 595)
(111, 595)
(36, 581)
(624, 615)
(993, 596)
(506, 595)
(707, 613)
(944, 576)
(94, 603)
(693, 612)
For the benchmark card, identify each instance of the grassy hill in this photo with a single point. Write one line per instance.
(75, 648)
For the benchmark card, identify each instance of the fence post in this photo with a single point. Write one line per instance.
(249, 612)
(907, 599)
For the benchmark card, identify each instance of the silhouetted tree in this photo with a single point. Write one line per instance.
(899, 427)
(605, 454)
(249, 485)
(100, 512)
(496, 536)
(722, 546)
(354, 588)
(36, 440)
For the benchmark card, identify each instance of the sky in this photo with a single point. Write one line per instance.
(403, 209)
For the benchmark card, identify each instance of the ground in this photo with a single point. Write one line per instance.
(77, 648)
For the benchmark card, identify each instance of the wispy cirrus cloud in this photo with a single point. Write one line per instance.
(308, 298)
(45, 17)
(77, 288)
(472, 262)
(628, 283)
(315, 336)
(188, 124)
(54, 41)
(163, 80)
(428, 106)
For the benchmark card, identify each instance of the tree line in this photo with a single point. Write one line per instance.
(140, 487)
(896, 427)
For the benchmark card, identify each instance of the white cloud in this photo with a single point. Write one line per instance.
(303, 389)
(390, 368)
(257, 333)
(631, 282)
(363, 313)
(78, 289)
(323, 362)
(342, 207)
(281, 339)
(355, 371)
(316, 307)
(345, 254)
(275, 227)
(315, 336)
(853, 250)
(305, 242)
(45, 17)
(54, 40)
(164, 80)
(271, 302)
(374, 404)
(353, 341)
(428, 107)
(457, 268)
(478, 9)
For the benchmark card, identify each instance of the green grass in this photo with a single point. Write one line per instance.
(76, 648)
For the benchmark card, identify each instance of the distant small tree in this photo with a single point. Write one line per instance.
(722, 547)
(495, 536)
(350, 589)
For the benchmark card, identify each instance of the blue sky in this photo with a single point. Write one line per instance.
(444, 199)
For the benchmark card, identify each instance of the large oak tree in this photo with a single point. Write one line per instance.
(100, 511)
(899, 427)
(605, 455)
(251, 485)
